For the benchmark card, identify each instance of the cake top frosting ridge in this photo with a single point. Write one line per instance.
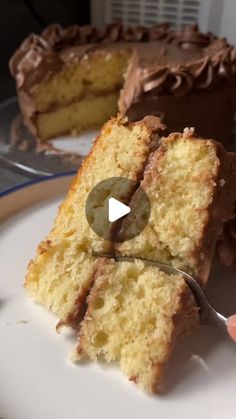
(166, 61)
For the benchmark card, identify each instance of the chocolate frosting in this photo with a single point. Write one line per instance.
(227, 244)
(164, 61)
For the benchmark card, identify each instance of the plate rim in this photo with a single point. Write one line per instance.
(32, 182)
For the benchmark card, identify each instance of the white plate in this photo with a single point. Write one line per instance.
(79, 144)
(37, 380)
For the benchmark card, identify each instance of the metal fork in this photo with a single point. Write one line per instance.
(207, 313)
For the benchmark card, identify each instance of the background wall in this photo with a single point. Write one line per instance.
(228, 20)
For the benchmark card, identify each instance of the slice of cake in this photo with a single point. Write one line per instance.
(191, 185)
(135, 315)
(61, 274)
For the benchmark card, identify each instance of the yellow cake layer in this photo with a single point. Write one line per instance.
(61, 269)
(98, 73)
(61, 275)
(135, 315)
(86, 113)
(180, 182)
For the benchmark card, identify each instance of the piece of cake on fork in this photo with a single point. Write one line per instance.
(136, 314)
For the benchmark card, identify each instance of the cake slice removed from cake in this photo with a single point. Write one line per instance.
(191, 185)
(61, 274)
(135, 315)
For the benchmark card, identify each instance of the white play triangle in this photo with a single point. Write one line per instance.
(116, 210)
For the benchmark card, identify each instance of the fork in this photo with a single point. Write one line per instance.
(207, 313)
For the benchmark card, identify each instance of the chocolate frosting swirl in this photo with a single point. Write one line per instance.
(191, 38)
(218, 64)
(206, 62)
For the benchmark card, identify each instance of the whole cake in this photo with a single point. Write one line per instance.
(189, 204)
(75, 78)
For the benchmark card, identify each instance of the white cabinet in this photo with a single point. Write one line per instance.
(148, 12)
(228, 20)
(218, 16)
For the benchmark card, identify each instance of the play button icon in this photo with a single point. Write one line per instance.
(116, 210)
(112, 214)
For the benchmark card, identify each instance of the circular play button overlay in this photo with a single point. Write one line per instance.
(117, 209)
